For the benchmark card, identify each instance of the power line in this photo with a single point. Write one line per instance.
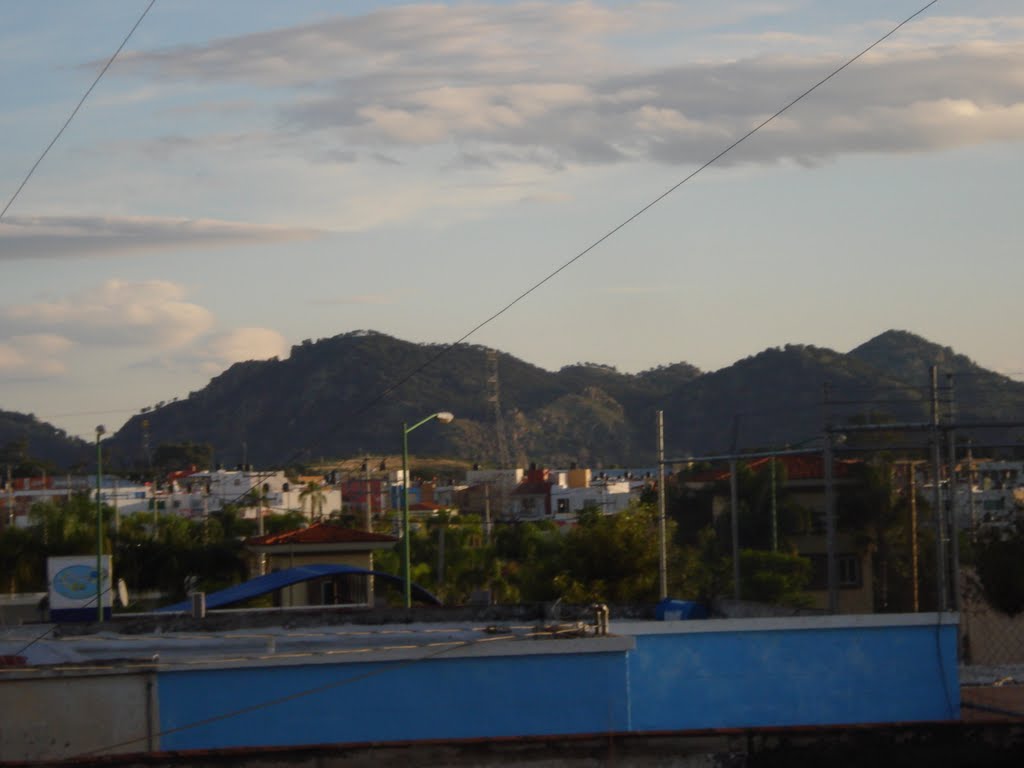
(74, 112)
(447, 348)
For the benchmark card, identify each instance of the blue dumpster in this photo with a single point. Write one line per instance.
(675, 610)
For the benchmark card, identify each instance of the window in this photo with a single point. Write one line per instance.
(563, 506)
(848, 572)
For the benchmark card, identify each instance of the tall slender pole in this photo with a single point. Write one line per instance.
(913, 534)
(775, 512)
(831, 571)
(954, 517)
(406, 583)
(734, 519)
(487, 512)
(662, 555)
(831, 564)
(99, 525)
(444, 417)
(368, 493)
(940, 532)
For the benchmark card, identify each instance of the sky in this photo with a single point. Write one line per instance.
(248, 175)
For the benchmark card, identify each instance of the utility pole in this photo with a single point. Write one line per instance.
(940, 543)
(10, 497)
(662, 555)
(831, 570)
(735, 523)
(954, 518)
(487, 511)
(913, 533)
(367, 492)
(775, 511)
(970, 489)
(734, 505)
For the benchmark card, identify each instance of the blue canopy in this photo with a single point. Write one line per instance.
(263, 585)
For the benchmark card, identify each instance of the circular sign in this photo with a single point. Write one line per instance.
(76, 582)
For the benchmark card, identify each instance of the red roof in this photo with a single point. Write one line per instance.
(425, 506)
(322, 533)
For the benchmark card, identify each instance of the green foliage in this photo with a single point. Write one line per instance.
(170, 457)
(587, 413)
(1000, 566)
(164, 554)
(774, 577)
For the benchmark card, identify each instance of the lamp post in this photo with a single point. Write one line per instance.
(445, 418)
(100, 431)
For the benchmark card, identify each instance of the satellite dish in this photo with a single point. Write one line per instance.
(122, 593)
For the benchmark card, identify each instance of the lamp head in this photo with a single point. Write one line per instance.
(101, 431)
(445, 417)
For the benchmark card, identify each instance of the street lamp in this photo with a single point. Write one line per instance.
(445, 418)
(100, 431)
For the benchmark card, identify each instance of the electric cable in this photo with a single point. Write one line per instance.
(74, 112)
(446, 348)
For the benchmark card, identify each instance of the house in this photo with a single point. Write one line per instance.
(320, 543)
(560, 495)
(804, 485)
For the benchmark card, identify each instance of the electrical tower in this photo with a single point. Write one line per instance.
(494, 398)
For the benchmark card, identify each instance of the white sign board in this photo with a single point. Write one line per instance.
(72, 582)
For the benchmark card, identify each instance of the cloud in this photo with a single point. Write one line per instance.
(150, 313)
(33, 356)
(577, 83)
(243, 344)
(24, 237)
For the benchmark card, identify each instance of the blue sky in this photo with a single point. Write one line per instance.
(251, 174)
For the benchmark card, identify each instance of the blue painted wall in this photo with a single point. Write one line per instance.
(432, 699)
(686, 680)
(806, 677)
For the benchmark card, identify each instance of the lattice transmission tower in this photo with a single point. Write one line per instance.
(494, 398)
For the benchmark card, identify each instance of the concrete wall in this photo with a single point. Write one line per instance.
(783, 672)
(456, 698)
(61, 715)
(646, 677)
(671, 676)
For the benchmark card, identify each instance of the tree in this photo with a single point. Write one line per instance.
(315, 495)
(1000, 566)
(615, 558)
(171, 457)
(778, 578)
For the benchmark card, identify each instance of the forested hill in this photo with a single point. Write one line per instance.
(349, 395)
(30, 446)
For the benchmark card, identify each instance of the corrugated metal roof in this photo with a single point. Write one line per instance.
(264, 585)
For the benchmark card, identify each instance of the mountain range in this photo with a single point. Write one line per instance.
(349, 395)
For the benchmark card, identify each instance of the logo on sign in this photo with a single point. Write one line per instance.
(76, 582)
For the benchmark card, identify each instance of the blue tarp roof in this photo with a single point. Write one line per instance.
(263, 585)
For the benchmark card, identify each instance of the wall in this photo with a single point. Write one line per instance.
(646, 677)
(735, 673)
(671, 676)
(455, 698)
(60, 715)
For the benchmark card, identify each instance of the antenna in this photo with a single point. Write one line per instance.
(494, 398)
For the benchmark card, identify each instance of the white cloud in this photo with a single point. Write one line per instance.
(243, 344)
(150, 313)
(573, 83)
(33, 356)
(153, 315)
(23, 237)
